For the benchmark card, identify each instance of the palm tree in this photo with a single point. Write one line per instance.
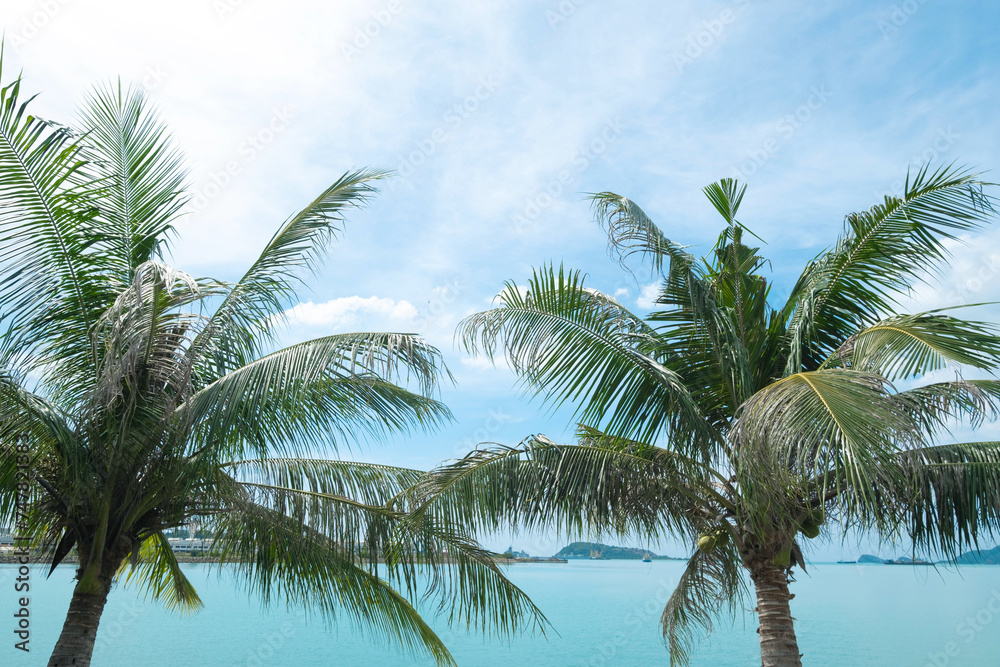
(135, 399)
(739, 425)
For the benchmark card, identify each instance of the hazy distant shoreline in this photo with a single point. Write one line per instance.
(11, 559)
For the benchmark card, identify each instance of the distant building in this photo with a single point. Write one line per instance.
(187, 545)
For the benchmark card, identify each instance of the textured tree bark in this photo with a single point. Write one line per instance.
(76, 642)
(778, 646)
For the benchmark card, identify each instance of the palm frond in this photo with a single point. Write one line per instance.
(937, 407)
(631, 231)
(428, 557)
(159, 575)
(130, 153)
(25, 414)
(711, 583)
(280, 560)
(576, 490)
(318, 391)
(470, 587)
(50, 286)
(34, 435)
(948, 497)
(881, 252)
(244, 323)
(906, 346)
(726, 196)
(144, 331)
(574, 345)
(807, 424)
(370, 483)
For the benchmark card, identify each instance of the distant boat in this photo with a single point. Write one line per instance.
(846, 562)
(647, 559)
(595, 554)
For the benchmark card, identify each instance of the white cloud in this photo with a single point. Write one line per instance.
(970, 276)
(647, 296)
(349, 310)
(482, 363)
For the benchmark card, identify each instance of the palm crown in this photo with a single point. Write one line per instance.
(740, 425)
(146, 398)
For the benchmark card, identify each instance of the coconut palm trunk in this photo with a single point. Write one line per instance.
(778, 646)
(75, 645)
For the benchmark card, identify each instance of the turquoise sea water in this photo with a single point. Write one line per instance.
(605, 613)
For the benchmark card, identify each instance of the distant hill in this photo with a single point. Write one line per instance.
(987, 557)
(991, 557)
(603, 552)
(902, 560)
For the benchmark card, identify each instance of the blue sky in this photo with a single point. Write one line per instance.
(499, 116)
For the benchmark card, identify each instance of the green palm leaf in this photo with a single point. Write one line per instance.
(711, 583)
(631, 232)
(318, 390)
(572, 344)
(880, 252)
(429, 558)
(130, 153)
(158, 574)
(49, 283)
(280, 560)
(370, 483)
(906, 346)
(937, 407)
(471, 588)
(244, 322)
(576, 490)
(804, 425)
(948, 497)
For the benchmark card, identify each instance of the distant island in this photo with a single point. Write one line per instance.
(868, 559)
(598, 551)
(513, 556)
(987, 557)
